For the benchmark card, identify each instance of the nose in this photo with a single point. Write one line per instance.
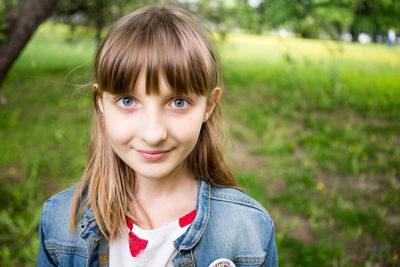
(153, 130)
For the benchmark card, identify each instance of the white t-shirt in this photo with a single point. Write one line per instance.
(138, 247)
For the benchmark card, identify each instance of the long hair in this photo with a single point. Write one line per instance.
(163, 42)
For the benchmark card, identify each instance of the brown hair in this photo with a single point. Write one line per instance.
(162, 42)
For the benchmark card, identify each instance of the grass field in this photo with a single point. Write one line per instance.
(316, 135)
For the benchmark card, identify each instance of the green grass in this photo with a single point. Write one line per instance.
(319, 121)
(325, 119)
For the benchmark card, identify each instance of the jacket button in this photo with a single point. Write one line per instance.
(187, 262)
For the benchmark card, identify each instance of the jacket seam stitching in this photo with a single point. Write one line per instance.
(248, 262)
(104, 259)
(271, 239)
(232, 197)
(249, 259)
(64, 251)
(236, 201)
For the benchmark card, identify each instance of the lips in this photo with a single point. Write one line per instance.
(152, 155)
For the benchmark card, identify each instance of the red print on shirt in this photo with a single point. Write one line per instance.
(187, 219)
(137, 244)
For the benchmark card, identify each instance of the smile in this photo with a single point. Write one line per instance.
(152, 155)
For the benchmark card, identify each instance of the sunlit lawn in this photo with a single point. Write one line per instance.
(316, 140)
(322, 121)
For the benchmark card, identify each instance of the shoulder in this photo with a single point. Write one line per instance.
(233, 201)
(58, 243)
(58, 205)
(237, 208)
(65, 195)
(55, 218)
(235, 198)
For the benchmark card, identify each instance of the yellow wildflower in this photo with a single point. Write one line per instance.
(12, 170)
(320, 186)
(373, 138)
(351, 149)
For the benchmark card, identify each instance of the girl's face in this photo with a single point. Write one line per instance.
(154, 134)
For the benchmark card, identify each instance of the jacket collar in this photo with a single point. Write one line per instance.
(195, 231)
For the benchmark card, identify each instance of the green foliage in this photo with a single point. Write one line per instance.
(5, 6)
(313, 19)
(376, 16)
(218, 15)
(19, 221)
(3, 26)
(246, 17)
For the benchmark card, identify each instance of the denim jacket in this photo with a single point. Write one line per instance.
(229, 224)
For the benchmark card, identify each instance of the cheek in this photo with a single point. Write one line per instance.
(192, 125)
(116, 128)
(188, 130)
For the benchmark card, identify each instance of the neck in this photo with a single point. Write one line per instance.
(156, 188)
(162, 200)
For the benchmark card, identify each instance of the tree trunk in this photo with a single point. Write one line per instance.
(261, 18)
(22, 21)
(354, 33)
(99, 18)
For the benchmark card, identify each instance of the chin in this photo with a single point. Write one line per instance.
(154, 172)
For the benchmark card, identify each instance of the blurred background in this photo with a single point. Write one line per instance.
(312, 101)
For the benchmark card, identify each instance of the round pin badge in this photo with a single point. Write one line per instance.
(222, 263)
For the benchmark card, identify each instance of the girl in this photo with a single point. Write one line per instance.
(157, 190)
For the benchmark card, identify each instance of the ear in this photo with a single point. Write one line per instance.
(212, 102)
(95, 89)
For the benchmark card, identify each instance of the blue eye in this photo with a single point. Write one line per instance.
(180, 103)
(126, 102)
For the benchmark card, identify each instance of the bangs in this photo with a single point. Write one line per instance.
(159, 45)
